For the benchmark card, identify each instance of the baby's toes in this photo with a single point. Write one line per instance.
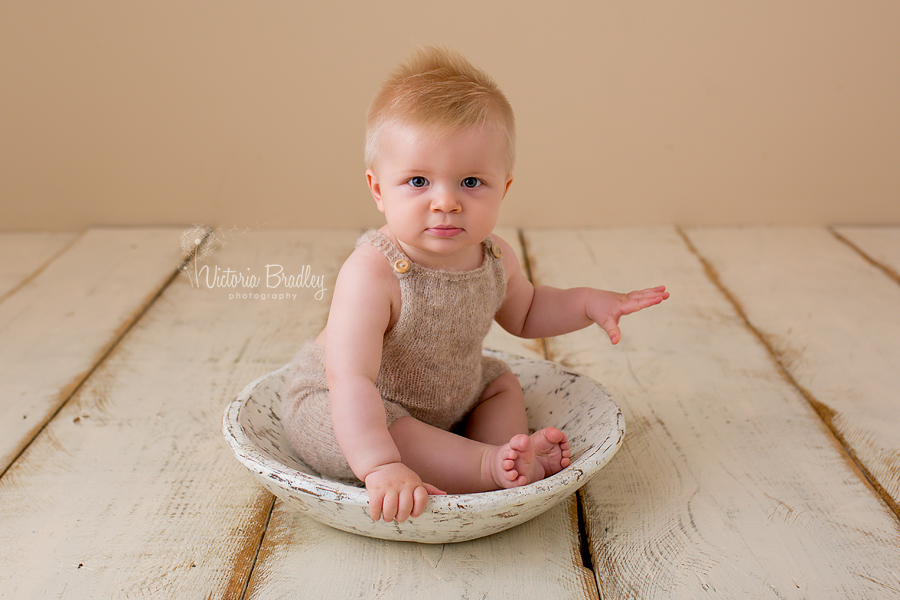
(553, 437)
(509, 453)
(513, 477)
(520, 443)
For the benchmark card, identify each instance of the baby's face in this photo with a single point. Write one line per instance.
(440, 191)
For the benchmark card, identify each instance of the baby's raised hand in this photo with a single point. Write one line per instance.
(397, 493)
(606, 308)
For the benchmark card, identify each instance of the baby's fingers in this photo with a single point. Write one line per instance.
(390, 507)
(420, 498)
(611, 327)
(375, 502)
(654, 295)
(433, 490)
(420, 501)
(405, 504)
(644, 298)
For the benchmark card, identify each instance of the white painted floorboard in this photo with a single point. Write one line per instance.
(880, 244)
(131, 490)
(734, 480)
(57, 326)
(23, 255)
(728, 484)
(833, 320)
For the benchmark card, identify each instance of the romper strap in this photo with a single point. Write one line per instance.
(494, 248)
(394, 255)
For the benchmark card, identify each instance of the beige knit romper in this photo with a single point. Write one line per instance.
(432, 367)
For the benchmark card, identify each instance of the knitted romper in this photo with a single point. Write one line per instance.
(432, 367)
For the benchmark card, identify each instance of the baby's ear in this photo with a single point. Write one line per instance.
(508, 183)
(375, 188)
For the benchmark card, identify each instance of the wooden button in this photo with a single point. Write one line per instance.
(495, 250)
(401, 266)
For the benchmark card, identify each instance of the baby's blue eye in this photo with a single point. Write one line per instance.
(418, 182)
(471, 182)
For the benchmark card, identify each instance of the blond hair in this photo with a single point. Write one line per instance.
(436, 87)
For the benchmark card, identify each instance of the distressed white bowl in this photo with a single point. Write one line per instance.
(553, 396)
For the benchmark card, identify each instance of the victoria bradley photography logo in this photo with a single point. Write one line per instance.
(269, 282)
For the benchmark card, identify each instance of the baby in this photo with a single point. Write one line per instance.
(395, 391)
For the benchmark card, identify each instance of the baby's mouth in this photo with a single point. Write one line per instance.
(445, 230)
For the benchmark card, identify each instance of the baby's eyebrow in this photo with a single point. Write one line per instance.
(481, 176)
(415, 173)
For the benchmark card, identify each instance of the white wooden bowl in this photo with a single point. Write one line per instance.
(553, 396)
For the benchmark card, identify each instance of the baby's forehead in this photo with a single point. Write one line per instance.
(415, 130)
(471, 144)
(423, 135)
(410, 136)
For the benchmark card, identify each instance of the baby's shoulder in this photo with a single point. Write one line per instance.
(508, 255)
(367, 265)
(499, 241)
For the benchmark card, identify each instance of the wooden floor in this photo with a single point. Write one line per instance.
(762, 401)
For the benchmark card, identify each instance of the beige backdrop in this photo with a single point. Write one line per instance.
(250, 113)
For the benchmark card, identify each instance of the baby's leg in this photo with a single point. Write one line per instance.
(452, 462)
(500, 414)
(459, 465)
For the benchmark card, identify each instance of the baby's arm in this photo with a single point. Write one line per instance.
(360, 313)
(544, 311)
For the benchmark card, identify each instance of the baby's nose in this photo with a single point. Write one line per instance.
(444, 201)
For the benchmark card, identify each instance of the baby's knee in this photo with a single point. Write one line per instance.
(505, 382)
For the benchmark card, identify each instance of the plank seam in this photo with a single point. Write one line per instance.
(886, 269)
(42, 267)
(585, 549)
(259, 546)
(100, 360)
(824, 412)
(584, 546)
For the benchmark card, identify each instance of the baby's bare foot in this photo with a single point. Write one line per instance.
(526, 459)
(551, 448)
(508, 466)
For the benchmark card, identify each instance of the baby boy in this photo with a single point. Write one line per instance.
(395, 391)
